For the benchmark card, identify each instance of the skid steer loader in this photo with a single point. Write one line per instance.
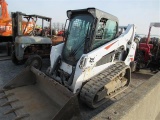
(93, 65)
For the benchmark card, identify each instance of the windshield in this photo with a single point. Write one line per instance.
(78, 30)
(106, 32)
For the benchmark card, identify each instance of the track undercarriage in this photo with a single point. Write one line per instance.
(106, 85)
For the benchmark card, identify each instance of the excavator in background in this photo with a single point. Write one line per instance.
(93, 65)
(5, 31)
(5, 23)
(148, 53)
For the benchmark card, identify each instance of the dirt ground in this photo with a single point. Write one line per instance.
(8, 71)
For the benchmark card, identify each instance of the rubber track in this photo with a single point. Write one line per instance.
(90, 89)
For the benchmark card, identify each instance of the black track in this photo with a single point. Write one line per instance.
(97, 83)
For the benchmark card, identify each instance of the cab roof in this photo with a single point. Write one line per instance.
(96, 13)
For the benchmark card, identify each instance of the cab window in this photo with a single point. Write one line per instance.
(106, 31)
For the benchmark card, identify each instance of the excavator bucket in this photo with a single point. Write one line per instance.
(35, 96)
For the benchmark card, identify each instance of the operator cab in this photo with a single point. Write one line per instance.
(88, 29)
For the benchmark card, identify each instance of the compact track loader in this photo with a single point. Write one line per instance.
(93, 65)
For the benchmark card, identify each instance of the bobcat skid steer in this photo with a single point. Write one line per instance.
(92, 65)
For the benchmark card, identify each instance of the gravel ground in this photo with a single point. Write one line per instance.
(8, 71)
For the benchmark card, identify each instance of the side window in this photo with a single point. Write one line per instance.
(110, 30)
(106, 31)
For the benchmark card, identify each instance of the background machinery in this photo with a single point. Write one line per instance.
(36, 44)
(5, 23)
(5, 31)
(6, 40)
(148, 53)
(93, 64)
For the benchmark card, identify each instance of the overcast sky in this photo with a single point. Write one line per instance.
(138, 12)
